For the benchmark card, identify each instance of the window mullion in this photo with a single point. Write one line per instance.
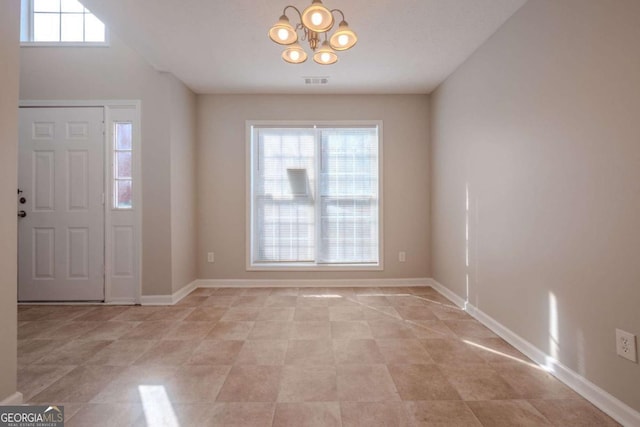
(31, 24)
(60, 21)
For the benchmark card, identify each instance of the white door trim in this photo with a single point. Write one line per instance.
(134, 295)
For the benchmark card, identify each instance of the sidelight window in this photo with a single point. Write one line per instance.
(122, 162)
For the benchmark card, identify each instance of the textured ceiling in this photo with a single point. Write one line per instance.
(221, 46)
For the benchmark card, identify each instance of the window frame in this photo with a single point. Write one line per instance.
(249, 221)
(27, 30)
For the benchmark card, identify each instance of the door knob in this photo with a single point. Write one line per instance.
(22, 214)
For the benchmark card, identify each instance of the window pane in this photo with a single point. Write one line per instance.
(46, 5)
(286, 231)
(123, 164)
(72, 6)
(72, 27)
(349, 230)
(46, 27)
(123, 194)
(123, 136)
(348, 193)
(283, 207)
(94, 30)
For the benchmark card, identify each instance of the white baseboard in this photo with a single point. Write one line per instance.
(323, 283)
(616, 409)
(12, 400)
(156, 300)
(248, 283)
(453, 297)
(121, 301)
(169, 299)
(183, 292)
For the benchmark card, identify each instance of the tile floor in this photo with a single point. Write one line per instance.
(286, 357)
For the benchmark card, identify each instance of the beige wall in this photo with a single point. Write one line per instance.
(9, 75)
(183, 185)
(221, 177)
(543, 126)
(117, 72)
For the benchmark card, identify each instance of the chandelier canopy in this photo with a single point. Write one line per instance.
(314, 21)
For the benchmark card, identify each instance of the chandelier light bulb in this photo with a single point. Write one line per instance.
(343, 39)
(316, 18)
(325, 57)
(283, 34)
(295, 55)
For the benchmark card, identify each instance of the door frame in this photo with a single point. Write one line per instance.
(133, 113)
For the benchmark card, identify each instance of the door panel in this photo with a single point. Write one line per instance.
(61, 176)
(78, 189)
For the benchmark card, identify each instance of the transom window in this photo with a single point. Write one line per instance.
(60, 22)
(314, 196)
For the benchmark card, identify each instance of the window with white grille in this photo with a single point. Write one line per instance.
(314, 193)
(122, 165)
(60, 23)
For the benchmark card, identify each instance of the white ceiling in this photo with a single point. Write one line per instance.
(221, 46)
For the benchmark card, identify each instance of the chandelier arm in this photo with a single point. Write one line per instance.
(338, 10)
(299, 25)
(284, 12)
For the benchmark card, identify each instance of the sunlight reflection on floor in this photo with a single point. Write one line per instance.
(157, 407)
(507, 356)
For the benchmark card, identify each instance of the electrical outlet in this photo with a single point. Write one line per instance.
(402, 256)
(211, 257)
(626, 345)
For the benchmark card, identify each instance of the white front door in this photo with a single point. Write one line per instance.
(60, 204)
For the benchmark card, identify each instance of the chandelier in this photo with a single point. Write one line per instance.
(316, 20)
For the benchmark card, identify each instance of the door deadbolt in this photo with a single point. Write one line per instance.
(23, 200)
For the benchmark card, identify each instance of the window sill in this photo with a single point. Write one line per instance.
(315, 267)
(64, 44)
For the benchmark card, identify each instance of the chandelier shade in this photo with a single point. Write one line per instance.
(317, 18)
(344, 38)
(283, 32)
(325, 55)
(294, 54)
(315, 21)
